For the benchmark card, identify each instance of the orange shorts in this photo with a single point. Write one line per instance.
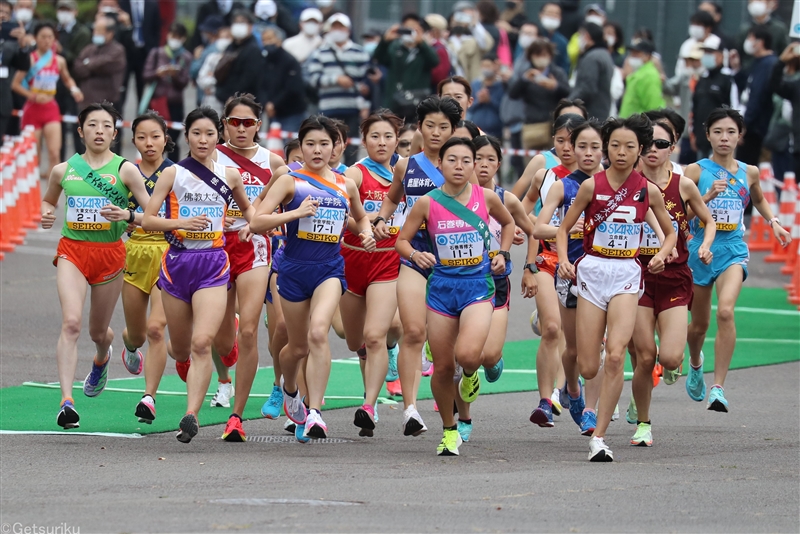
(547, 261)
(99, 263)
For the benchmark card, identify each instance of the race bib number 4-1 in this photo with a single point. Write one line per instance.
(617, 240)
(727, 212)
(460, 249)
(326, 226)
(83, 213)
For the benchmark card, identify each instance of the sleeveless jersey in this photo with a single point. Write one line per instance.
(140, 235)
(496, 230)
(82, 221)
(191, 197)
(550, 177)
(372, 193)
(253, 185)
(46, 80)
(571, 185)
(416, 185)
(316, 238)
(458, 247)
(728, 208)
(550, 160)
(619, 233)
(677, 212)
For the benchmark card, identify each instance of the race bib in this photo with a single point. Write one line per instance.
(495, 230)
(46, 82)
(326, 226)
(651, 244)
(212, 231)
(373, 207)
(727, 212)
(252, 192)
(410, 201)
(617, 240)
(162, 213)
(460, 249)
(83, 213)
(555, 221)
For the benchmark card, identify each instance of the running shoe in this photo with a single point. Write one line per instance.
(232, 357)
(563, 397)
(183, 368)
(615, 415)
(315, 426)
(97, 378)
(146, 410)
(464, 430)
(435, 406)
(266, 320)
(695, 383)
(427, 365)
(289, 426)
(657, 372)
(189, 427)
(412, 422)
(234, 431)
(716, 399)
(300, 433)
(469, 387)
(632, 414)
(394, 388)
(599, 451)
(451, 441)
(67, 416)
(365, 420)
(543, 414)
(535, 323)
(391, 373)
(133, 360)
(272, 408)
(294, 408)
(457, 374)
(493, 373)
(670, 377)
(588, 423)
(576, 406)
(555, 400)
(426, 351)
(222, 398)
(643, 436)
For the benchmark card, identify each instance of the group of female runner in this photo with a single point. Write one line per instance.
(415, 252)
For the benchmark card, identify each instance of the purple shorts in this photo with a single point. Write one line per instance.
(183, 272)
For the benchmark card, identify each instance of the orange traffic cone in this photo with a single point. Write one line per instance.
(6, 219)
(788, 269)
(788, 198)
(760, 231)
(794, 290)
(274, 139)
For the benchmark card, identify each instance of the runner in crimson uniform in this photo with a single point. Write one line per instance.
(96, 186)
(608, 276)
(668, 294)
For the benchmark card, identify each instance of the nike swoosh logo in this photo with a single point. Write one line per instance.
(673, 299)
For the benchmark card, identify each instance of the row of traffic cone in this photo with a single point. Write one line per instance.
(20, 194)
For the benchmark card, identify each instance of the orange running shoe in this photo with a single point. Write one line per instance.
(234, 431)
(657, 372)
(183, 368)
(394, 388)
(233, 356)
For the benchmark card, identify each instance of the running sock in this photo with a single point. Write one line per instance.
(587, 410)
(292, 395)
(469, 374)
(315, 410)
(645, 422)
(134, 349)
(454, 427)
(696, 367)
(228, 381)
(390, 347)
(467, 421)
(146, 396)
(237, 416)
(68, 399)
(362, 352)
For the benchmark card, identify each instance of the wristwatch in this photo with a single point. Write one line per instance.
(531, 267)
(506, 254)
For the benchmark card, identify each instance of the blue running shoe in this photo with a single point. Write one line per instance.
(588, 423)
(695, 384)
(299, 430)
(465, 430)
(391, 373)
(493, 374)
(543, 414)
(716, 400)
(272, 408)
(97, 378)
(563, 399)
(576, 406)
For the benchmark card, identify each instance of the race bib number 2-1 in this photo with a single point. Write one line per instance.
(83, 213)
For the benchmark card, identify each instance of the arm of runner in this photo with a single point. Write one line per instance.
(70, 84)
(281, 192)
(543, 229)
(524, 183)
(357, 213)
(132, 179)
(650, 219)
(391, 200)
(585, 193)
(51, 196)
(151, 222)
(418, 215)
(532, 194)
(763, 207)
(500, 214)
(529, 285)
(656, 264)
(694, 201)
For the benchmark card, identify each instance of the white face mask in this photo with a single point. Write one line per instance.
(409, 39)
(611, 40)
(325, 3)
(487, 73)
(65, 18)
(697, 32)
(338, 36)
(757, 9)
(462, 17)
(596, 19)
(240, 30)
(635, 62)
(709, 61)
(550, 23)
(174, 44)
(222, 43)
(99, 40)
(749, 47)
(541, 63)
(311, 28)
(581, 43)
(23, 15)
(525, 41)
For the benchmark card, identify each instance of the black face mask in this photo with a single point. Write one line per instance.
(511, 5)
(270, 48)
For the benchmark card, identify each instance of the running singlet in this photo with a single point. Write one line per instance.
(673, 201)
(83, 221)
(140, 235)
(46, 80)
(550, 177)
(253, 185)
(316, 238)
(613, 219)
(191, 197)
(416, 184)
(571, 185)
(728, 207)
(496, 231)
(372, 193)
(550, 159)
(459, 248)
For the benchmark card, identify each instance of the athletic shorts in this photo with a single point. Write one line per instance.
(502, 298)
(566, 292)
(99, 263)
(143, 264)
(601, 279)
(451, 295)
(184, 272)
(363, 268)
(277, 255)
(668, 289)
(246, 255)
(297, 280)
(547, 262)
(37, 115)
(425, 273)
(725, 255)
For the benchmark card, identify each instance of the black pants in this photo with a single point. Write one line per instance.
(517, 162)
(750, 150)
(175, 115)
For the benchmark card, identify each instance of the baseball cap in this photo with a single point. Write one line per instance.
(311, 13)
(341, 18)
(643, 46)
(712, 42)
(436, 21)
(597, 8)
(695, 52)
(67, 4)
(212, 24)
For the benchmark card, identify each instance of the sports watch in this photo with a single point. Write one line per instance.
(506, 255)
(531, 267)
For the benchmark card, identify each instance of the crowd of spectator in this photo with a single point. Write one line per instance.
(302, 57)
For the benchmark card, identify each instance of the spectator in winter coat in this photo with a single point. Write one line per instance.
(785, 82)
(438, 28)
(594, 72)
(488, 91)
(714, 89)
(235, 72)
(643, 91)
(279, 93)
(308, 40)
(206, 81)
(542, 85)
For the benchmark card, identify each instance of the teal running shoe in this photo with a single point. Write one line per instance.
(272, 408)
(632, 414)
(464, 430)
(391, 373)
(695, 384)
(588, 423)
(716, 400)
(493, 373)
(299, 433)
(576, 406)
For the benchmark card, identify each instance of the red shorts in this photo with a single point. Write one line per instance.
(246, 256)
(547, 261)
(364, 268)
(99, 263)
(37, 115)
(669, 289)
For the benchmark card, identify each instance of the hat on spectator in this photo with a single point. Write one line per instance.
(67, 4)
(643, 46)
(597, 8)
(436, 21)
(461, 6)
(311, 13)
(341, 18)
(695, 52)
(712, 42)
(265, 9)
(212, 24)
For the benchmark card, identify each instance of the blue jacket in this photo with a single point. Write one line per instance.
(759, 104)
(487, 116)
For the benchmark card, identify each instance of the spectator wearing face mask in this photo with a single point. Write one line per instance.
(100, 68)
(488, 91)
(222, 8)
(211, 33)
(73, 37)
(714, 8)
(270, 13)
(12, 59)
(785, 82)
(643, 91)
(761, 14)
(550, 20)
(593, 14)
(701, 26)
(279, 93)
(235, 72)
(437, 25)
(511, 20)
(528, 33)
(327, 8)
(682, 86)
(469, 40)
(615, 40)
(213, 52)
(594, 72)
(304, 43)
(24, 15)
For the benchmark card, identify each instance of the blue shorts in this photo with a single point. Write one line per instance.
(422, 246)
(277, 255)
(425, 273)
(502, 297)
(449, 295)
(725, 255)
(297, 280)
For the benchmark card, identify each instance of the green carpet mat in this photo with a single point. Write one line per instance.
(768, 331)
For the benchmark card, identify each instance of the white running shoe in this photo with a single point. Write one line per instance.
(427, 365)
(315, 426)
(555, 398)
(412, 422)
(615, 415)
(535, 323)
(222, 398)
(599, 451)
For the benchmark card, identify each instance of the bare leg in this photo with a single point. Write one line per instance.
(251, 288)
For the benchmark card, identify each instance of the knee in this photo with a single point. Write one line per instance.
(155, 333)
(587, 370)
(71, 326)
(98, 335)
(470, 361)
(491, 357)
(614, 362)
(670, 362)
(724, 314)
(699, 325)
(374, 340)
(415, 334)
(550, 330)
(201, 344)
(317, 335)
(248, 335)
(445, 369)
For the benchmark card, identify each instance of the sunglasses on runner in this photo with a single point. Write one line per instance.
(661, 144)
(404, 144)
(238, 121)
